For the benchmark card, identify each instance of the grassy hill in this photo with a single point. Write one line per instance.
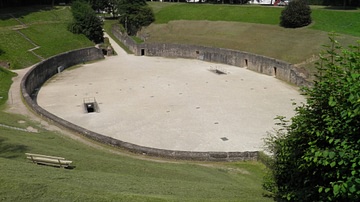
(104, 175)
(250, 28)
(27, 35)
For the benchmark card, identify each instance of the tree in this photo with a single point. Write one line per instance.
(86, 22)
(135, 14)
(99, 5)
(316, 156)
(296, 14)
(109, 6)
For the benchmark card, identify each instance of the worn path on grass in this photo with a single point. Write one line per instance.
(175, 104)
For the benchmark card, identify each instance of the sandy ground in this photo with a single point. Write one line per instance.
(176, 104)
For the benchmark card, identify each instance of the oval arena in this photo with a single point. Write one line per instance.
(170, 107)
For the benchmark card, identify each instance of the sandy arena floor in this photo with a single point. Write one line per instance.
(175, 104)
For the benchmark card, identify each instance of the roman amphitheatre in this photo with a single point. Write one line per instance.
(182, 104)
(163, 89)
(171, 103)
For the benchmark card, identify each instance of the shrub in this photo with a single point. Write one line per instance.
(317, 156)
(296, 14)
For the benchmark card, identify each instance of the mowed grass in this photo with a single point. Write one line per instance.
(45, 27)
(291, 45)
(15, 49)
(60, 39)
(5, 83)
(339, 21)
(216, 12)
(252, 29)
(102, 175)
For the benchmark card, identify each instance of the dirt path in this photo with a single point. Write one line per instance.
(15, 105)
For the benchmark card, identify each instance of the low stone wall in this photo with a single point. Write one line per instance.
(265, 65)
(44, 70)
(125, 39)
(41, 72)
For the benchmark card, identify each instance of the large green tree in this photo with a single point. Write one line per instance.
(86, 22)
(135, 14)
(316, 156)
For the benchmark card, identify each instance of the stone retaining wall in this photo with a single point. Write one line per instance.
(44, 70)
(265, 65)
(41, 72)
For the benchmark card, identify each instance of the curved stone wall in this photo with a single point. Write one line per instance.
(265, 65)
(41, 72)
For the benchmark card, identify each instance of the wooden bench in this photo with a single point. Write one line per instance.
(48, 160)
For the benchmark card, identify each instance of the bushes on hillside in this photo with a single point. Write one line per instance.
(86, 22)
(296, 14)
(317, 155)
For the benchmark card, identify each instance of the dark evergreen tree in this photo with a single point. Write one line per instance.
(296, 14)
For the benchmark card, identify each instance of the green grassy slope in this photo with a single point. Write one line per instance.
(216, 12)
(5, 83)
(343, 22)
(45, 27)
(250, 28)
(100, 175)
(340, 21)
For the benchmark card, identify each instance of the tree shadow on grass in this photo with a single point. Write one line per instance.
(11, 151)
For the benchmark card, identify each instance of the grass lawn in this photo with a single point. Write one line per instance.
(54, 39)
(14, 45)
(343, 22)
(5, 83)
(340, 21)
(250, 28)
(216, 12)
(45, 27)
(101, 175)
